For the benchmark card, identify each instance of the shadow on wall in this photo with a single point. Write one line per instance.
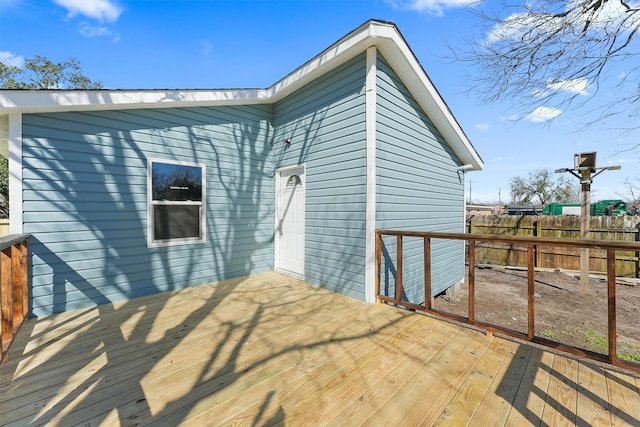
(86, 204)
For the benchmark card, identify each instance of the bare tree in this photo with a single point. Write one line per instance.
(631, 189)
(543, 186)
(549, 54)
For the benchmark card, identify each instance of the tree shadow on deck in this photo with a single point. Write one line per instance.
(188, 354)
(544, 388)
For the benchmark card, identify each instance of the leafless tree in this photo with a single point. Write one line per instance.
(547, 54)
(631, 189)
(545, 186)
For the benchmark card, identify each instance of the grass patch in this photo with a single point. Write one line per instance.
(548, 334)
(601, 344)
(598, 342)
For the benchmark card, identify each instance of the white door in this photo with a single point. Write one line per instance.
(290, 221)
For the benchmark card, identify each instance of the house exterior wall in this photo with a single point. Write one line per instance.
(85, 191)
(417, 188)
(85, 201)
(326, 123)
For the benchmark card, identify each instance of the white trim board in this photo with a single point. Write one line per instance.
(15, 174)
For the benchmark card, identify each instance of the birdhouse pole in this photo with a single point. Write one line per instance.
(585, 170)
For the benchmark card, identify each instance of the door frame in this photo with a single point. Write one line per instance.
(278, 207)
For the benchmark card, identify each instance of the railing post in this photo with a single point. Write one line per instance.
(24, 268)
(16, 284)
(472, 280)
(399, 269)
(378, 265)
(6, 290)
(611, 303)
(427, 273)
(530, 291)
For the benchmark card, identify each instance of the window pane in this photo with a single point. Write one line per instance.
(293, 181)
(176, 182)
(176, 221)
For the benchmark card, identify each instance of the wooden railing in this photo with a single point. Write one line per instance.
(530, 242)
(14, 281)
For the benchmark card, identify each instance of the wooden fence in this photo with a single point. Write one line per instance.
(622, 229)
(14, 281)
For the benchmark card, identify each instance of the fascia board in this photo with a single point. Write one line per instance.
(404, 63)
(36, 101)
(354, 43)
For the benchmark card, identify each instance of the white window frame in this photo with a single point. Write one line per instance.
(151, 241)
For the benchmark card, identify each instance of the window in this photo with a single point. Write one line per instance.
(293, 181)
(176, 200)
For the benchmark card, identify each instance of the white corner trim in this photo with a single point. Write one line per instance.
(15, 173)
(370, 221)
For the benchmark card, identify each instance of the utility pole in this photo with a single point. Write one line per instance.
(585, 170)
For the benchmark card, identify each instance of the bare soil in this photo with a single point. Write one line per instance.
(563, 312)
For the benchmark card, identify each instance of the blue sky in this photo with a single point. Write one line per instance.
(252, 44)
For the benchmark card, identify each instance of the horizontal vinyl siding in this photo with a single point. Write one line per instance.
(326, 123)
(417, 188)
(85, 201)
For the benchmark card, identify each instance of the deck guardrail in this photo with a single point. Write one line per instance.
(14, 282)
(531, 242)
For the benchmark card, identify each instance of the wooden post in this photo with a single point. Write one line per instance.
(16, 284)
(611, 303)
(7, 298)
(399, 270)
(584, 230)
(24, 267)
(530, 292)
(472, 279)
(427, 273)
(536, 248)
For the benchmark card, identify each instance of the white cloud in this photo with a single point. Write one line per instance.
(435, 7)
(11, 59)
(575, 86)
(482, 126)
(528, 25)
(510, 118)
(91, 31)
(6, 4)
(101, 10)
(542, 114)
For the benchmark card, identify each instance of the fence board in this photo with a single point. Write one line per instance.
(621, 228)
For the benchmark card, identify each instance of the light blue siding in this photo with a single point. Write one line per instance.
(418, 188)
(85, 201)
(326, 122)
(85, 191)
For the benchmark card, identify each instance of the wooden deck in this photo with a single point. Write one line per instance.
(271, 350)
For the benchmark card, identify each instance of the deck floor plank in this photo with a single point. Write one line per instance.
(624, 399)
(376, 388)
(561, 396)
(338, 392)
(530, 400)
(499, 397)
(463, 406)
(593, 398)
(272, 350)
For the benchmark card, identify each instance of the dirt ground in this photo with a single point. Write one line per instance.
(563, 313)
